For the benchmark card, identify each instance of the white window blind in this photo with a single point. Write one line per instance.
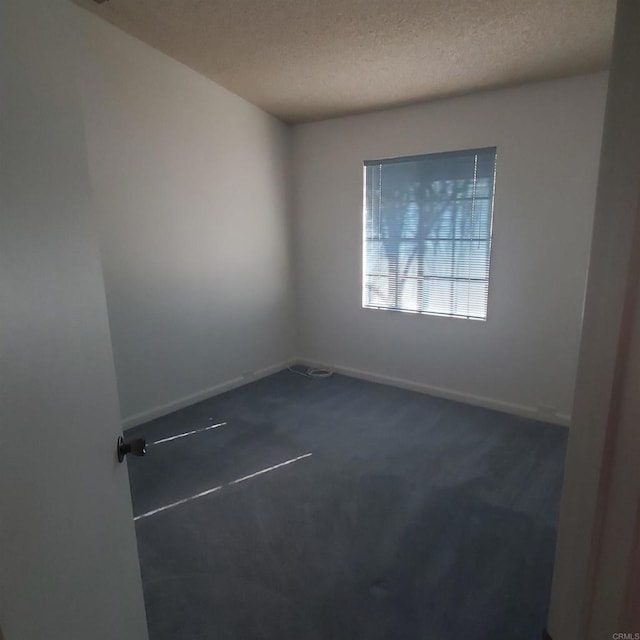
(427, 233)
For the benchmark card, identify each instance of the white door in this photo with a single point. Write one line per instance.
(68, 559)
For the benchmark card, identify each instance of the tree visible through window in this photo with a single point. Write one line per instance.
(427, 233)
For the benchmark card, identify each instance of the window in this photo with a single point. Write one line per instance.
(427, 233)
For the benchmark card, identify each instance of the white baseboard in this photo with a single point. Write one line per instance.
(525, 411)
(164, 409)
(440, 392)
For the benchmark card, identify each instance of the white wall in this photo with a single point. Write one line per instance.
(191, 186)
(596, 583)
(524, 356)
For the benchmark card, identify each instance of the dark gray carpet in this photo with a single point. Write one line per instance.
(415, 518)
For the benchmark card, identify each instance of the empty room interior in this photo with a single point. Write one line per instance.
(355, 281)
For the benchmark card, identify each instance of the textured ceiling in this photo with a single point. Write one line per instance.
(306, 60)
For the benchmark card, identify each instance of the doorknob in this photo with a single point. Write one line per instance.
(137, 447)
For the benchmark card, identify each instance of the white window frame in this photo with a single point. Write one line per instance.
(476, 297)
